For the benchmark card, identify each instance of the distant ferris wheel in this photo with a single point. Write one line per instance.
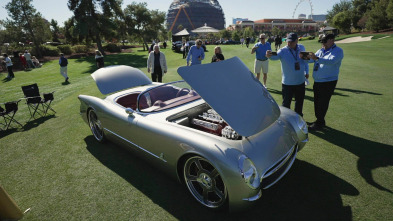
(309, 1)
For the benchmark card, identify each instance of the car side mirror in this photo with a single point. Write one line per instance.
(130, 111)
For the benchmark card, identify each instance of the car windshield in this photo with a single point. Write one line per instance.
(166, 96)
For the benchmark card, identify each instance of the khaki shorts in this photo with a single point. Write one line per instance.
(264, 65)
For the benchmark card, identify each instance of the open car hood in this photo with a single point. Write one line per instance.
(234, 93)
(119, 77)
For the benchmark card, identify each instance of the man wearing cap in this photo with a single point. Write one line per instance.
(294, 72)
(327, 62)
(261, 61)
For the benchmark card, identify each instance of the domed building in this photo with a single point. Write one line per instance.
(192, 14)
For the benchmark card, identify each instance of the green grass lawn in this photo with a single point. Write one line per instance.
(55, 167)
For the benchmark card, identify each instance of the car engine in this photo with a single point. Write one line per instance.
(211, 122)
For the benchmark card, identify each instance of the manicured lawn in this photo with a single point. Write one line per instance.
(55, 167)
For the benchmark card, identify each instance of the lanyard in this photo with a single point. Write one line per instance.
(294, 55)
(327, 52)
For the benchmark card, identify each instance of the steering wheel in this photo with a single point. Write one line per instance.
(181, 90)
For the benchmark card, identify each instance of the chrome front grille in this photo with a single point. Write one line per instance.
(276, 172)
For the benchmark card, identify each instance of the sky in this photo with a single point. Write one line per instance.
(251, 9)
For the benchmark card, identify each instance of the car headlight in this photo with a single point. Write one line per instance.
(301, 123)
(249, 172)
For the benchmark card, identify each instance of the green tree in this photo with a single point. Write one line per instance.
(248, 32)
(235, 35)
(169, 35)
(389, 12)
(342, 6)
(276, 31)
(94, 17)
(377, 16)
(55, 30)
(342, 21)
(70, 35)
(359, 9)
(143, 23)
(225, 34)
(25, 16)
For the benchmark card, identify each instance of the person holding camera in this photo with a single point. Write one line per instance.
(327, 62)
(294, 72)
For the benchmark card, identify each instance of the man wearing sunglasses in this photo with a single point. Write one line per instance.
(327, 62)
(196, 53)
(261, 61)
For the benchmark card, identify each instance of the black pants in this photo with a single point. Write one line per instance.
(289, 91)
(323, 91)
(10, 72)
(157, 73)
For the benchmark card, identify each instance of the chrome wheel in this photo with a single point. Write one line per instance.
(95, 126)
(204, 182)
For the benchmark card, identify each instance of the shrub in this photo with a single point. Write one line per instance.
(65, 49)
(48, 50)
(112, 47)
(80, 48)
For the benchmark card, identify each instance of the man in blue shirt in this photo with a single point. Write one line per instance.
(294, 72)
(327, 62)
(261, 61)
(196, 53)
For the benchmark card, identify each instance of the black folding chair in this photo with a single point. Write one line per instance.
(34, 101)
(8, 114)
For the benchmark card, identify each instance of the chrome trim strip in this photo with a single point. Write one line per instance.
(135, 145)
(256, 197)
(285, 172)
(286, 156)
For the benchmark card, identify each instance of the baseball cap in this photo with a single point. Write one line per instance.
(326, 37)
(262, 36)
(292, 37)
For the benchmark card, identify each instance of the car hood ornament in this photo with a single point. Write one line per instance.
(234, 93)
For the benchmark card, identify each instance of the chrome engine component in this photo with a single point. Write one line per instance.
(205, 124)
(211, 122)
(211, 115)
(229, 133)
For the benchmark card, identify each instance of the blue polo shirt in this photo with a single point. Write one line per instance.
(329, 63)
(261, 50)
(195, 53)
(288, 58)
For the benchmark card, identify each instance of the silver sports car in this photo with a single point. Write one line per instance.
(219, 131)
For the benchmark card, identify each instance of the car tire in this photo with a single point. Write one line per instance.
(205, 183)
(96, 126)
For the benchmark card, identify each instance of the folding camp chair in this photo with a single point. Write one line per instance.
(34, 101)
(8, 114)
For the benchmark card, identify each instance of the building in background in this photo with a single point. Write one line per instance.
(192, 14)
(236, 20)
(266, 25)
